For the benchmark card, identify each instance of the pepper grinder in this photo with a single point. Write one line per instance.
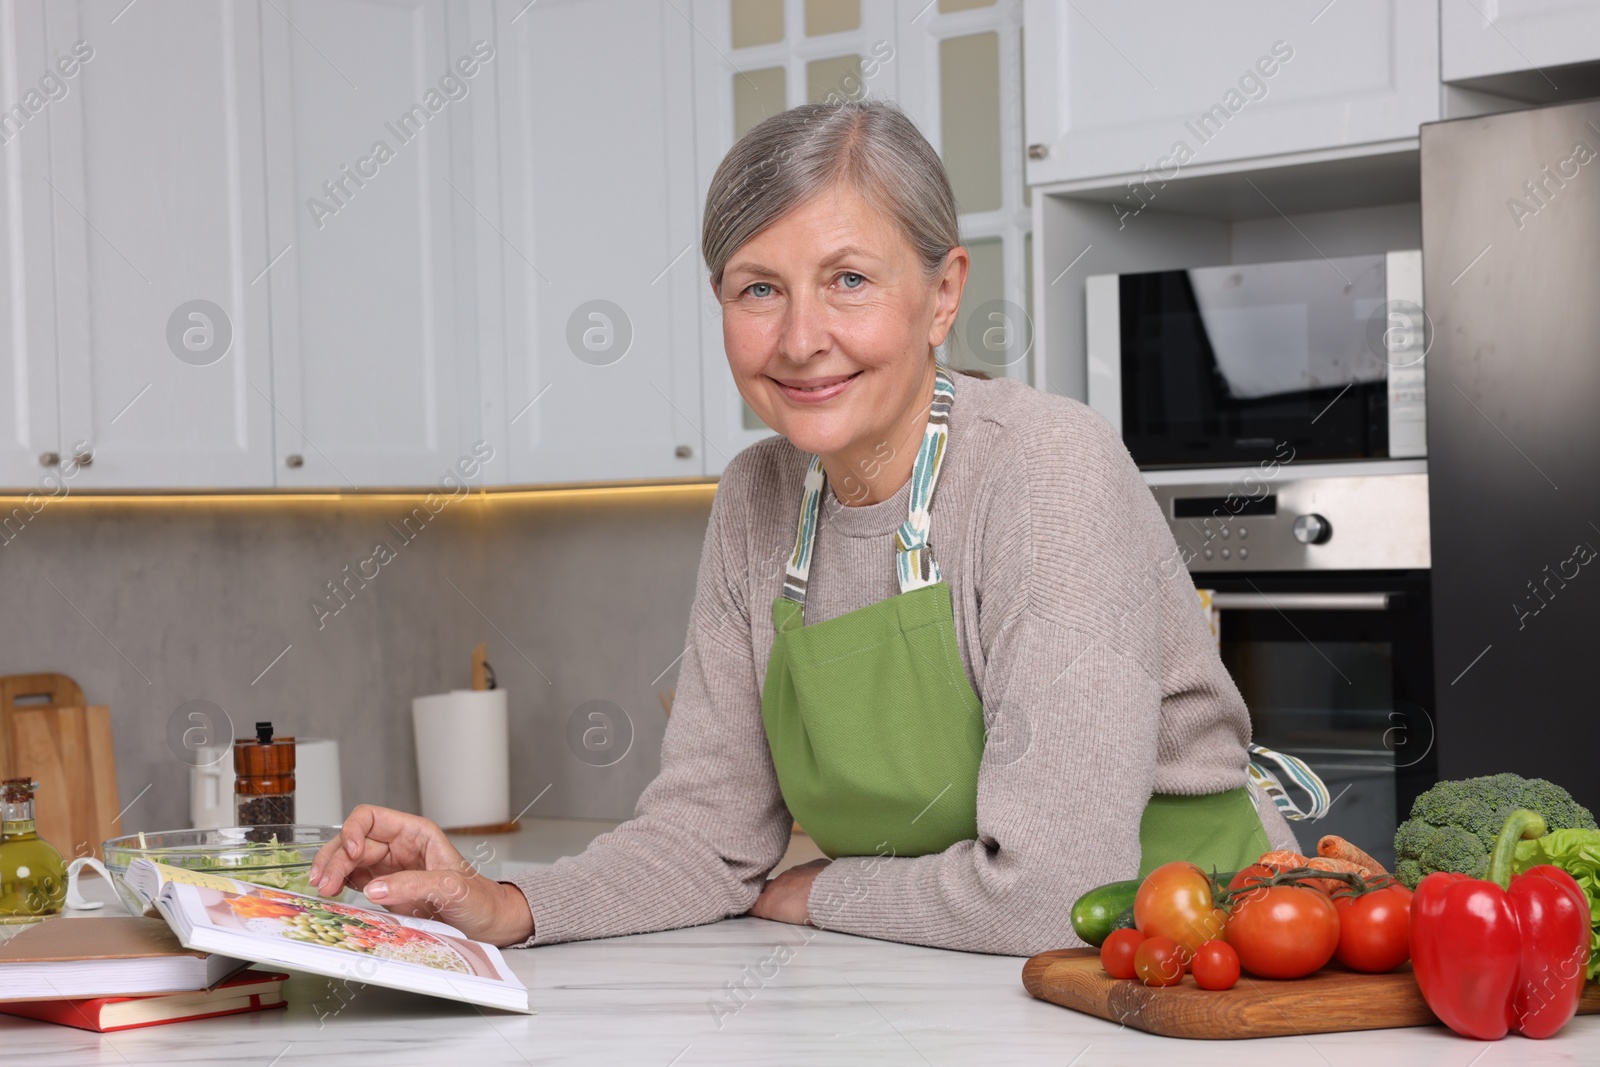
(263, 784)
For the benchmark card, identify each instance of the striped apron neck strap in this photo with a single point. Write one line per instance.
(799, 565)
(914, 563)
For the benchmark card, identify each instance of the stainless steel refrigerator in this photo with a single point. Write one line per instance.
(1511, 262)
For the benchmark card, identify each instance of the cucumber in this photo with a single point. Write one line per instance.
(1104, 909)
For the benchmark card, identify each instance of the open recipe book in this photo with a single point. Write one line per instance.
(211, 913)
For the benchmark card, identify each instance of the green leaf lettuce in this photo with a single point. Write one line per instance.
(1578, 853)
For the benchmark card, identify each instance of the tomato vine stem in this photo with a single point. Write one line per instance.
(1354, 884)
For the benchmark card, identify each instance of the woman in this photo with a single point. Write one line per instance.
(939, 620)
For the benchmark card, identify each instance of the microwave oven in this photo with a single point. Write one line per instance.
(1224, 366)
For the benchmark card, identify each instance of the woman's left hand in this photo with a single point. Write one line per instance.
(784, 898)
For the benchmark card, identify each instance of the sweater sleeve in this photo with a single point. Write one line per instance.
(1099, 681)
(711, 825)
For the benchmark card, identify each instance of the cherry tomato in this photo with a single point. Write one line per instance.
(1158, 961)
(1215, 965)
(1285, 931)
(1175, 901)
(1374, 929)
(1116, 952)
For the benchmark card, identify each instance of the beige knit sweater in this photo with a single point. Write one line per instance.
(1079, 629)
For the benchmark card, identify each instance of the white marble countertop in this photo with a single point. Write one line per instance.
(663, 1000)
(543, 841)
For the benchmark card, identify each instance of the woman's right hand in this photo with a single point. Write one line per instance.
(408, 865)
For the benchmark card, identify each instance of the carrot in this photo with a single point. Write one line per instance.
(1334, 847)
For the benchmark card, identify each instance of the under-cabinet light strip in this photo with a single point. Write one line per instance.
(680, 490)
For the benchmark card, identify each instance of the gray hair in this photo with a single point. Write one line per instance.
(797, 154)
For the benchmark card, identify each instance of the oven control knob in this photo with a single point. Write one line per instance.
(1312, 529)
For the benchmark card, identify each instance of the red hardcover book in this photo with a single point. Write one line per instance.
(246, 991)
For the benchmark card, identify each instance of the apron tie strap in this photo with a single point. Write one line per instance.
(1296, 771)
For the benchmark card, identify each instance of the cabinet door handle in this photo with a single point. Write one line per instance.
(49, 459)
(1038, 151)
(683, 452)
(294, 461)
(84, 456)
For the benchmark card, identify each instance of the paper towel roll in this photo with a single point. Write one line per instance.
(463, 757)
(211, 787)
(318, 791)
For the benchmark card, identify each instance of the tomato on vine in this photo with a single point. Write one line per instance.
(1374, 929)
(1283, 931)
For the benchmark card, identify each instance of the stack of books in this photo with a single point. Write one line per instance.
(120, 973)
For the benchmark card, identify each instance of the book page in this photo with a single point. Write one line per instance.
(147, 877)
(203, 879)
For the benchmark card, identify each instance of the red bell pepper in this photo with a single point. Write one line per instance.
(1500, 953)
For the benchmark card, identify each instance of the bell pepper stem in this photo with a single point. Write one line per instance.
(1520, 825)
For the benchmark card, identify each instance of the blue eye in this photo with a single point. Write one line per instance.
(752, 287)
(852, 274)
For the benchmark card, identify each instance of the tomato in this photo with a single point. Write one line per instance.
(1116, 952)
(1175, 901)
(1374, 929)
(1215, 965)
(1158, 961)
(1285, 931)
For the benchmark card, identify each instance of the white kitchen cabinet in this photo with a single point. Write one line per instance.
(376, 159)
(1114, 88)
(28, 417)
(1482, 38)
(154, 195)
(600, 242)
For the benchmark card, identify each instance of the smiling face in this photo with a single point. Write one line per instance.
(829, 324)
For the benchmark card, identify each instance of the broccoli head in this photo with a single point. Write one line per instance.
(1453, 826)
(1450, 848)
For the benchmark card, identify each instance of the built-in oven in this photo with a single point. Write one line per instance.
(1319, 589)
(1222, 366)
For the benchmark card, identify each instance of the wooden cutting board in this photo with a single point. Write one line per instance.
(1332, 1000)
(48, 734)
(36, 690)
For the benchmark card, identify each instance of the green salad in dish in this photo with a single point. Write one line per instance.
(267, 863)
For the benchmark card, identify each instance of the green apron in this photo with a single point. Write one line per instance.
(876, 733)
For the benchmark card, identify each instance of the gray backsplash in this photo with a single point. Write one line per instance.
(155, 605)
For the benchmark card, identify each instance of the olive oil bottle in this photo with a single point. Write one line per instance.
(33, 878)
